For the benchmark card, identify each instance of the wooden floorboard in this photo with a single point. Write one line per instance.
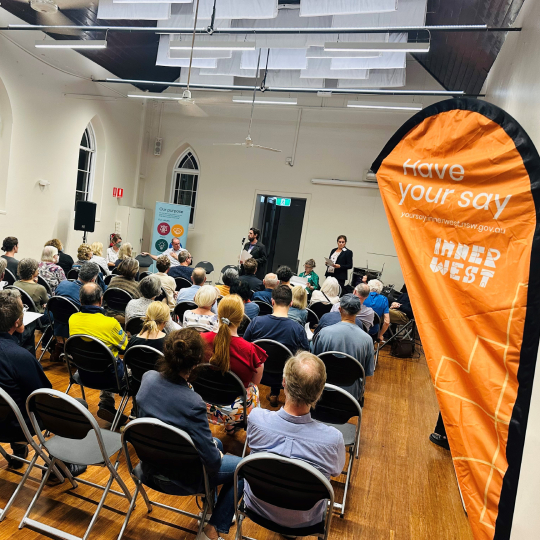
(403, 487)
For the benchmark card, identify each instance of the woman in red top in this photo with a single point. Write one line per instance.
(244, 359)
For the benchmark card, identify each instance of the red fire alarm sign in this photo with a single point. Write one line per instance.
(118, 193)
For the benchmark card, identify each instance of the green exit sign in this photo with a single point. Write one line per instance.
(283, 202)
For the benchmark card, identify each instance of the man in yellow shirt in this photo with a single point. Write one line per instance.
(92, 321)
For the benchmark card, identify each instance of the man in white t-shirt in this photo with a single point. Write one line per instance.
(172, 252)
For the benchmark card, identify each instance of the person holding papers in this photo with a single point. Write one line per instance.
(257, 250)
(340, 261)
(312, 277)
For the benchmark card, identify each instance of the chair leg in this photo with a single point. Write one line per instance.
(347, 480)
(239, 520)
(119, 481)
(69, 387)
(206, 506)
(44, 350)
(245, 448)
(4, 453)
(82, 392)
(128, 515)
(99, 507)
(118, 415)
(145, 497)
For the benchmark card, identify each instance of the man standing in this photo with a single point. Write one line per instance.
(92, 321)
(250, 269)
(379, 304)
(290, 432)
(182, 269)
(167, 282)
(346, 337)
(256, 250)
(270, 282)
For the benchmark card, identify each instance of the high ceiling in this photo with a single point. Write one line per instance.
(457, 60)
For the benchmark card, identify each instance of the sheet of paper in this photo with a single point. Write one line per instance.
(329, 262)
(30, 317)
(309, 333)
(244, 256)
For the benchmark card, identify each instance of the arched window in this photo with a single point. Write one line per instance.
(185, 182)
(86, 166)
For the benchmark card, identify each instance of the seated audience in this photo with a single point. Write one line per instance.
(149, 288)
(28, 273)
(241, 288)
(280, 328)
(92, 321)
(231, 352)
(401, 310)
(10, 246)
(49, 269)
(152, 334)
(290, 432)
(229, 277)
(365, 317)
(312, 277)
(250, 268)
(166, 395)
(182, 269)
(127, 270)
(346, 337)
(270, 282)
(329, 293)
(97, 257)
(20, 375)
(297, 311)
(168, 284)
(284, 274)
(114, 248)
(379, 304)
(3, 266)
(65, 261)
(125, 252)
(84, 254)
(198, 278)
(203, 316)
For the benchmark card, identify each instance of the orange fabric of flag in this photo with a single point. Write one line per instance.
(457, 194)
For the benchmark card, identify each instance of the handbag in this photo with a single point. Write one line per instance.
(402, 348)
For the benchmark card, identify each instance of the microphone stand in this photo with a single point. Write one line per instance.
(240, 254)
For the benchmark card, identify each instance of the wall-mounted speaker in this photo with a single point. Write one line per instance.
(85, 216)
(158, 146)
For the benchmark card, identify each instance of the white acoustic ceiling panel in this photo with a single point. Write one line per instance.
(291, 79)
(163, 58)
(277, 59)
(408, 13)
(107, 9)
(152, 1)
(316, 8)
(378, 78)
(196, 78)
(182, 17)
(229, 66)
(320, 68)
(239, 9)
(385, 61)
(182, 53)
(319, 52)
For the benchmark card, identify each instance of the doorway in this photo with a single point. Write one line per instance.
(280, 221)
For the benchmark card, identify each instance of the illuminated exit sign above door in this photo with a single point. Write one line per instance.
(283, 202)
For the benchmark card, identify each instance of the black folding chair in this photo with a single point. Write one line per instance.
(278, 354)
(377, 344)
(134, 326)
(116, 299)
(243, 325)
(142, 275)
(115, 271)
(43, 283)
(181, 308)
(168, 448)
(8, 410)
(9, 278)
(320, 308)
(161, 296)
(88, 354)
(312, 318)
(220, 389)
(287, 483)
(77, 438)
(62, 309)
(264, 308)
(335, 408)
(235, 266)
(73, 274)
(107, 279)
(140, 359)
(208, 267)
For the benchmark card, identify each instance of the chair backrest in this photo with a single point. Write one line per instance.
(161, 296)
(116, 299)
(201, 328)
(216, 387)
(181, 308)
(284, 482)
(208, 266)
(182, 283)
(342, 369)
(25, 297)
(164, 447)
(244, 323)
(336, 406)
(9, 277)
(312, 318)
(264, 308)
(142, 275)
(43, 283)
(376, 318)
(61, 308)
(277, 353)
(140, 359)
(134, 326)
(320, 308)
(73, 273)
(115, 271)
(107, 279)
(227, 267)
(10, 409)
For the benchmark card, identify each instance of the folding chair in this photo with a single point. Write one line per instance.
(62, 309)
(320, 308)
(116, 299)
(335, 408)
(235, 266)
(182, 283)
(181, 308)
(140, 359)
(287, 483)
(43, 283)
(107, 279)
(134, 326)
(9, 278)
(165, 447)
(208, 267)
(73, 274)
(77, 438)
(8, 409)
(377, 344)
(243, 325)
(312, 318)
(264, 308)
(220, 389)
(344, 370)
(161, 296)
(142, 275)
(278, 354)
(88, 354)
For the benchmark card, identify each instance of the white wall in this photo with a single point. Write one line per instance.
(514, 85)
(47, 129)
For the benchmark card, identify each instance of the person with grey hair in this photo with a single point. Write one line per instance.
(49, 270)
(183, 268)
(128, 270)
(28, 271)
(379, 304)
(229, 277)
(291, 432)
(348, 338)
(270, 282)
(3, 266)
(150, 288)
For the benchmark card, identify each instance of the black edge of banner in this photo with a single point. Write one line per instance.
(531, 331)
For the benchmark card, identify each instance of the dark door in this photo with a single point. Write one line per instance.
(280, 221)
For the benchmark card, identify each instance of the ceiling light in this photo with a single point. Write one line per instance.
(72, 44)
(265, 101)
(380, 47)
(387, 106)
(148, 95)
(213, 46)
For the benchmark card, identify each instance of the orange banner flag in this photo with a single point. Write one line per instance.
(460, 182)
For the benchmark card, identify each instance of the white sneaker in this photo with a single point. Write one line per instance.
(209, 516)
(202, 536)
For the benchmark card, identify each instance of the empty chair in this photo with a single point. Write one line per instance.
(9, 278)
(140, 359)
(43, 283)
(312, 318)
(162, 446)
(208, 267)
(73, 274)
(336, 407)
(264, 308)
(116, 299)
(287, 483)
(134, 326)
(76, 438)
(181, 308)
(182, 283)
(320, 308)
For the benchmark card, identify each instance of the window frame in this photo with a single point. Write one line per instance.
(92, 150)
(193, 172)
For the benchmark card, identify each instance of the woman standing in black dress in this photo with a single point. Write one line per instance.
(342, 259)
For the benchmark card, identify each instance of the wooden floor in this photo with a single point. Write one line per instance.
(403, 487)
